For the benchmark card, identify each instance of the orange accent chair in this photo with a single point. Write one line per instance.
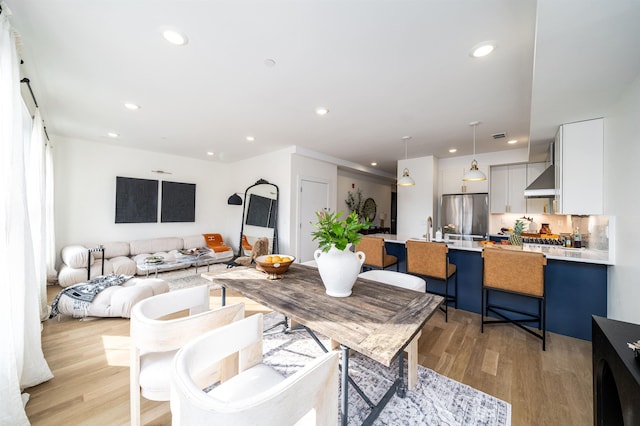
(246, 247)
(215, 243)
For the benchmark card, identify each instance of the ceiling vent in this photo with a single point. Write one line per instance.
(499, 135)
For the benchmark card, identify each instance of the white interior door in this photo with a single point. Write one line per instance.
(314, 196)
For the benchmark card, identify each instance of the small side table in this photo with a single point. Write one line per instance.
(152, 265)
(616, 373)
(94, 250)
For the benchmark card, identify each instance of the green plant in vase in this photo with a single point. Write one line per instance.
(516, 236)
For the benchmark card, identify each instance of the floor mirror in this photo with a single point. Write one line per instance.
(260, 215)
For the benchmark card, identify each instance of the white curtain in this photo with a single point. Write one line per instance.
(22, 362)
(35, 175)
(49, 222)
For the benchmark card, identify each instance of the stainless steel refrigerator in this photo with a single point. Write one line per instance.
(464, 214)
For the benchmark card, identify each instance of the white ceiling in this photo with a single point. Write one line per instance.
(384, 68)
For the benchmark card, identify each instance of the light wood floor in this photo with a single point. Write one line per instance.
(90, 359)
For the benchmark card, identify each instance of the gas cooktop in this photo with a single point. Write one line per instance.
(543, 241)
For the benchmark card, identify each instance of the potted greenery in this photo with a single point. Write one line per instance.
(338, 265)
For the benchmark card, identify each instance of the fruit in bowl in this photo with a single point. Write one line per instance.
(274, 264)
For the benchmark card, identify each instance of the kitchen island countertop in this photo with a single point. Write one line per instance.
(552, 252)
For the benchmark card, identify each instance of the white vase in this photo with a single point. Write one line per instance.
(339, 269)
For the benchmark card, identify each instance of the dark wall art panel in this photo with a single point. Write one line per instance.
(178, 202)
(260, 211)
(136, 200)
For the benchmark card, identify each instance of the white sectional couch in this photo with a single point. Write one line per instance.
(128, 258)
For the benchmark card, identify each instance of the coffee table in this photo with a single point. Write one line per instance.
(377, 320)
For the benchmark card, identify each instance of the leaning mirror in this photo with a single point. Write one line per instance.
(260, 216)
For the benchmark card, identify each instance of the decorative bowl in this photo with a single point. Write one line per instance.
(275, 265)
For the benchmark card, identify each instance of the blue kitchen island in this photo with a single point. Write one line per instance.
(575, 280)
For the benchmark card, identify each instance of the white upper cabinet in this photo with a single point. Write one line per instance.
(580, 168)
(450, 181)
(508, 183)
(507, 188)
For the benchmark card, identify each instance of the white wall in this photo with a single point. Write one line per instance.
(274, 167)
(85, 180)
(416, 203)
(85, 186)
(371, 187)
(622, 151)
(303, 167)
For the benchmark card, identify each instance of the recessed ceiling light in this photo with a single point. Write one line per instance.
(250, 138)
(209, 153)
(374, 163)
(269, 63)
(113, 135)
(175, 37)
(322, 111)
(131, 106)
(483, 49)
(452, 150)
(512, 141)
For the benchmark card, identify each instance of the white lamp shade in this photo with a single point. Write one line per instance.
(406, 180)
(474, 174)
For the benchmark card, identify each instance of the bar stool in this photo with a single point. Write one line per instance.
(515, 272)
(375, 254)
(431, 260)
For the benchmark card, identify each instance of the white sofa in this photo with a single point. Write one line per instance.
(128, 258)
(115, 301)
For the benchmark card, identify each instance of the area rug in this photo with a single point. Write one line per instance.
(436, 399)
(184, 278)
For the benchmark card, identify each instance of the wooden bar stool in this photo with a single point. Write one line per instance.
(516, 272)
(431, 260)
(375, 254)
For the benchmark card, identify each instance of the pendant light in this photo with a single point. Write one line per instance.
(474, 174)
(406, 180)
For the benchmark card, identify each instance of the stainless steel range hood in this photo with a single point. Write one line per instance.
(544, 186)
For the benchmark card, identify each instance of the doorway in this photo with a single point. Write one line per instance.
(314, 196)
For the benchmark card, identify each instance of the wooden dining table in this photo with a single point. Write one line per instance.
(377, 320)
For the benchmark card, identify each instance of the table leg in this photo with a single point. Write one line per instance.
(344, 401)
(402, 387)
(224, 296)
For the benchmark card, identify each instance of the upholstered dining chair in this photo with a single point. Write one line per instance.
(250, 393)
(525, 280)
(431, 261)
(159, 328)
(410, 282)
(375, 253)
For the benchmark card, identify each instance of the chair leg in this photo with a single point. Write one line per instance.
(446, 301)
(455, 301)
(544, 324)
(482, 311)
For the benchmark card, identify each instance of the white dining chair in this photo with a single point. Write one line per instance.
(410, 282)
(250, 393)
(159, 327)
